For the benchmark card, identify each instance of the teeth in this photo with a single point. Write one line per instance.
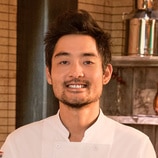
(75, 86)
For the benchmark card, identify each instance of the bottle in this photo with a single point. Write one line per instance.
(155, 102)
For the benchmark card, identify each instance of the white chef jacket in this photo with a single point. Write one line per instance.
(106, 138)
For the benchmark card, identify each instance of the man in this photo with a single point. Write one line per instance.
(77, 66)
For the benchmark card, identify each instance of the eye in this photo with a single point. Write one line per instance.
(64, 62)
(88, 62)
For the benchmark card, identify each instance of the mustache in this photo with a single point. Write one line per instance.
(77, 80)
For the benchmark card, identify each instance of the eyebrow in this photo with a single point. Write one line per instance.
(68, 54)
(89, 54)
(62, 54)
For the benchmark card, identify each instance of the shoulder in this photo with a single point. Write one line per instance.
(126, 132)
(133, 141)
(116, 129)
(31, 130)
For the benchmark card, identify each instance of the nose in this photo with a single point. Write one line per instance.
(76, 71)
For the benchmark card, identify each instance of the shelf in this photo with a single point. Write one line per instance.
(135, 61)
(142, 119)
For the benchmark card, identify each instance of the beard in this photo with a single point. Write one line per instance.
(78, 104)
(78, 101)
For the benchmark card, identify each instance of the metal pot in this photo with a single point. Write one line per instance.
(142, 30)
(144, 4)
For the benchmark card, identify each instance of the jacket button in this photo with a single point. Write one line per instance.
(58, 146)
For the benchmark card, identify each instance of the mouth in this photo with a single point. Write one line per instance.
(76, 86)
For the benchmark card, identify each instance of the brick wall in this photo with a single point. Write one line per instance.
(108, 14)
(8, 9)
(95, 7)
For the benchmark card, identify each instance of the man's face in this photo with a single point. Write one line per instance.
(76, 75)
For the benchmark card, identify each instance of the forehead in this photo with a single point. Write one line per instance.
(76, 44)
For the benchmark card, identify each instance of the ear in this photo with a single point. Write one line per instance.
(48, 76)
(107, 74)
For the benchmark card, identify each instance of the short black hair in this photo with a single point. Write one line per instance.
(77, 22)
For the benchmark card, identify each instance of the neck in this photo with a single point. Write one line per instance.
(77, 121)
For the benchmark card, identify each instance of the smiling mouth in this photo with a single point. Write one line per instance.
(76, 86)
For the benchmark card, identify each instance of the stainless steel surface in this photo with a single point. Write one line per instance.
(144, 4)
(142, 30)
(143, 36)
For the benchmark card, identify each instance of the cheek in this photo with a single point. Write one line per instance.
(57, 78)
(97, 79)
(57, 86)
